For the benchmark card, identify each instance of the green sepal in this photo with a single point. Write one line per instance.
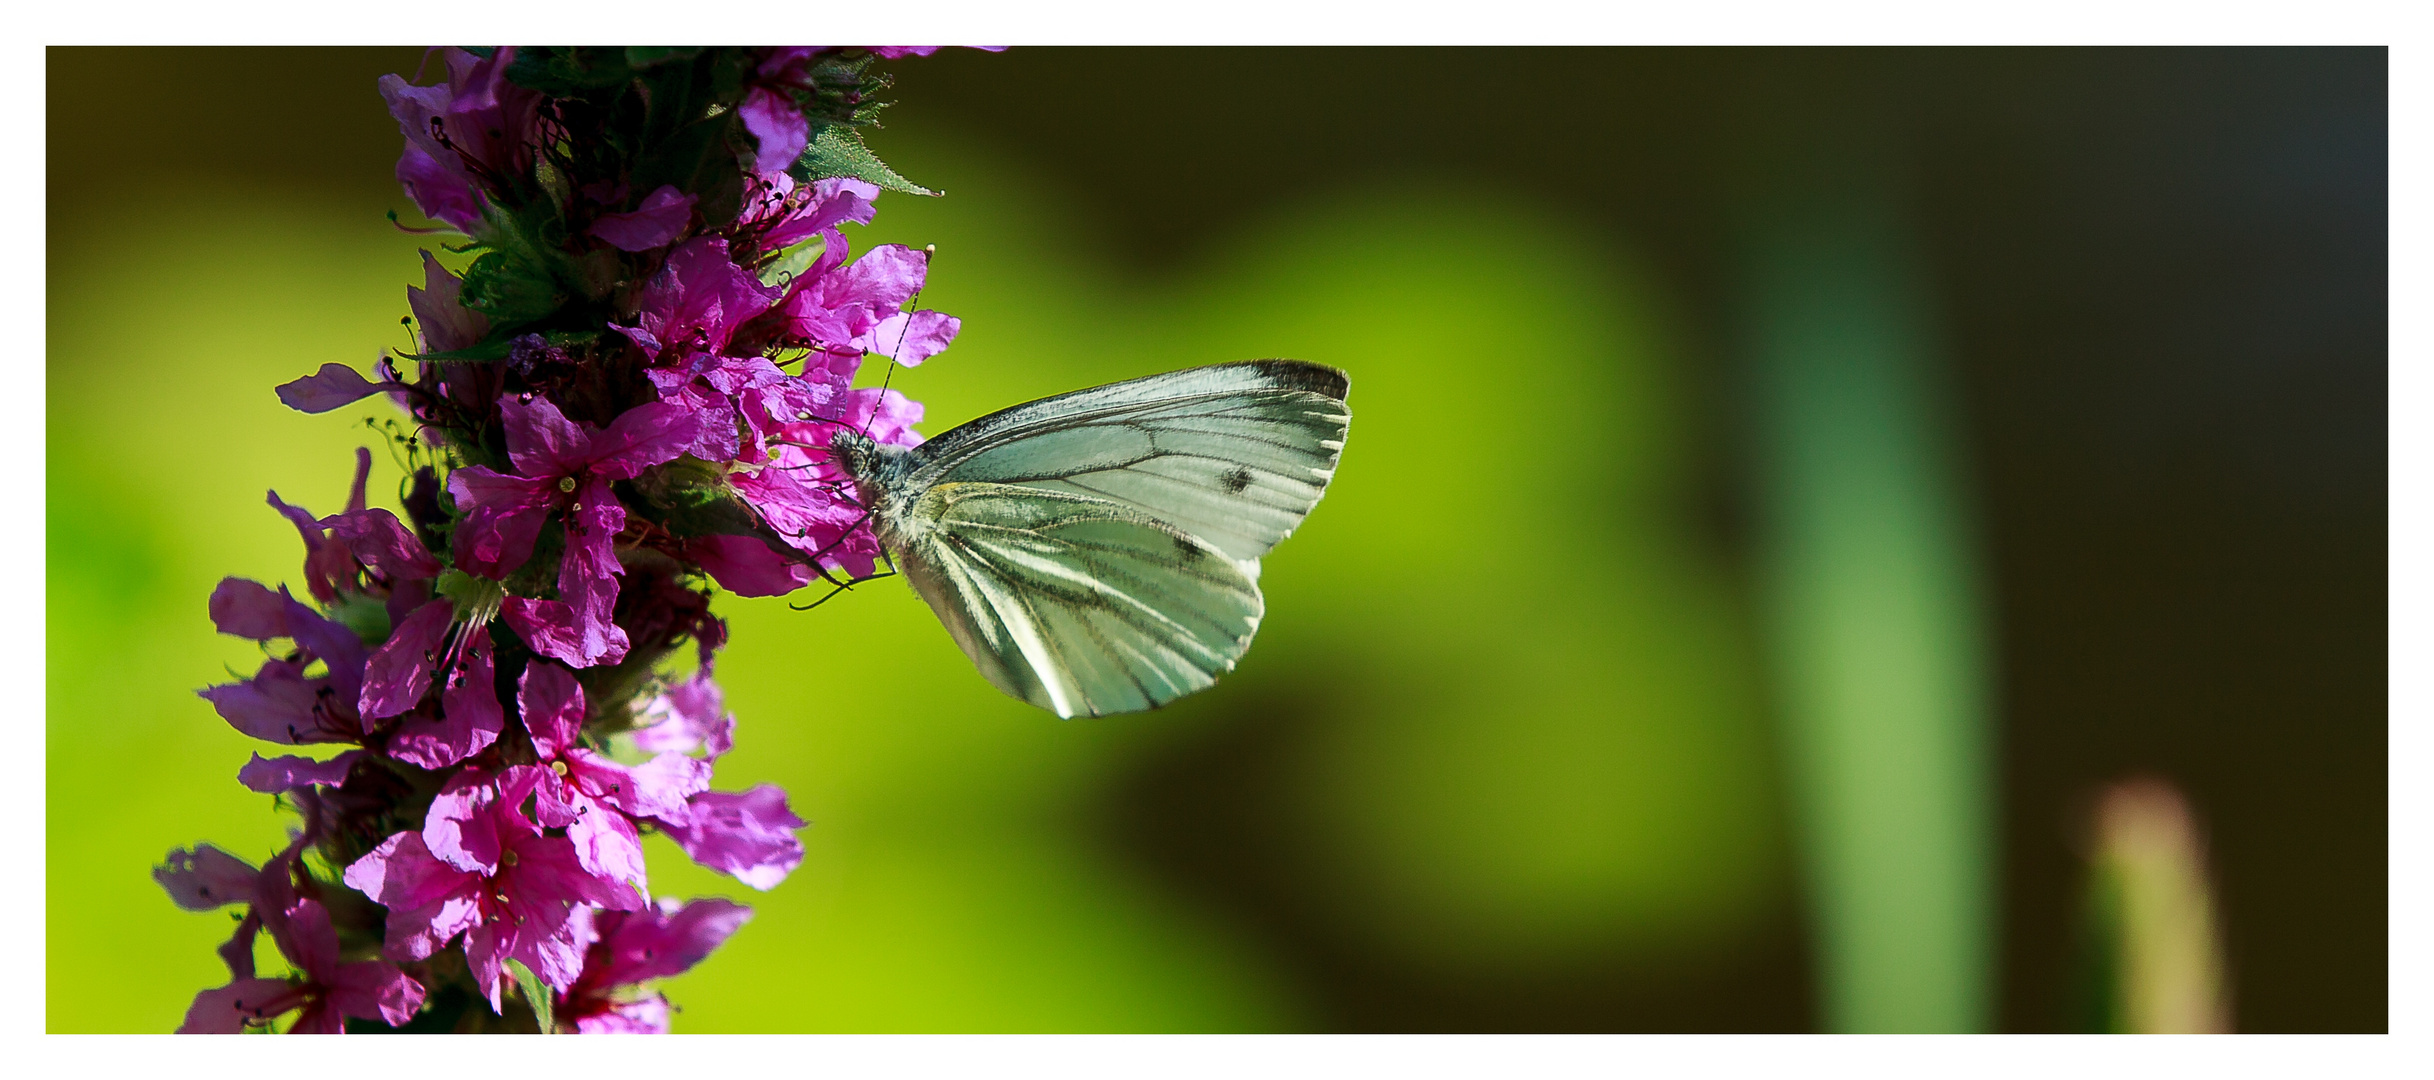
(477, 598)
(511, 291)
(536, 994)
(691, 497)
(790, 263)
(639, 57)
(367, 617)
(838, 150)
(569, 72)
(500, 344)
(496, 348)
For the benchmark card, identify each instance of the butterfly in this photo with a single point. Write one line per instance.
(1098, 552)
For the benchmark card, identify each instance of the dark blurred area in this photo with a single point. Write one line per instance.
(2160, 276)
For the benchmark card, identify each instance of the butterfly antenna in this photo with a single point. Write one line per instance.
(843, 587)
(873, 418)
(901, 334)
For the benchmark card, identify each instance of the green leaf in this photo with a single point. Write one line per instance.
(510, 290)
(838, 151)
(536, 995)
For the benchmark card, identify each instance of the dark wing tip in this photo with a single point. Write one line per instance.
(1304, 375)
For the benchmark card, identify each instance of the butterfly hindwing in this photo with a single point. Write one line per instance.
(1074, 603)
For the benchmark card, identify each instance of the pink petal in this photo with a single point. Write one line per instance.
(552, 704)
(777, 124)
(336, 646)
(745, 566)
(248, 609)
(647, 1016)
(272, 776)
(542, 442)
(310, 942)
(746, 834)
(656, 223)
(470, 717)
(441, 194)
(399, 673)
(641, 437)
(329, 388)
(692, 714)
(463, 829)
(910, 337)
(886, 276)
(402, 874)
(506, 515)
(657, 788)
(607, 845)
(280, 705)
(206, 878)
(447, 325)
(372, 989)
(383, 543)
(665, 943)
(228, 1009)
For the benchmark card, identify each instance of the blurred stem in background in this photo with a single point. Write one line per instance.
(1869, 595)
(2158, 946)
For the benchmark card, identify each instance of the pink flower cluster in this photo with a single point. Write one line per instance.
(499, 663)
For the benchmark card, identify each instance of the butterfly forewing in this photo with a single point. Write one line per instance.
(1235, 454)
(1074, 603)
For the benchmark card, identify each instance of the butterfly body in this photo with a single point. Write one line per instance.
(1098, 552)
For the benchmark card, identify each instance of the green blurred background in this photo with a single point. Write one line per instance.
(1783, 484)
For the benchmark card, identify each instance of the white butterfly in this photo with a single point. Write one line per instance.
(1098, 552)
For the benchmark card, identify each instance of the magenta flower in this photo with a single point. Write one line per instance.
(697, 301)
(714, 249)
(524, 905)
(279, 704)
(206, 878)
(323, 993)
(635, 947)
(661, 218)
(592, 797)
(748, 835)
(463, 137)
(271, 776)
(806, 497)
(859, 310)
(691, 716)
(779, 214)
(564, 469)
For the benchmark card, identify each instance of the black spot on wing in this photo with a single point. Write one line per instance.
(1237, 480)
(1185, 549)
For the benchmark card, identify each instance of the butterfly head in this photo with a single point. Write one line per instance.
(854, 451)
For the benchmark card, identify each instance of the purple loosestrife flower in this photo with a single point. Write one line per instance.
(563, 471)
(525, 904)
(627, 391)
(464, 137)
(583, 792)
(635, 947)
(323, 993)
(691, 715)
(748, 835)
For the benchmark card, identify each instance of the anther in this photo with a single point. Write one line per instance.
(566, 483)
